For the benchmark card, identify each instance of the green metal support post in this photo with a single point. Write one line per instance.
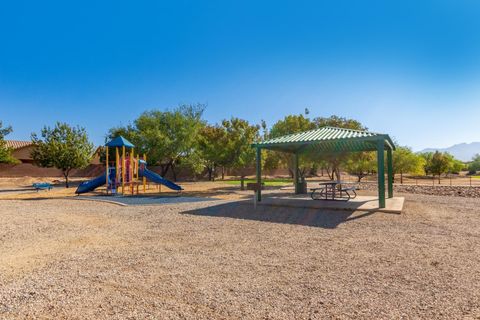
(295, 172)
(381, 173)
(390, 172)
(259, 174)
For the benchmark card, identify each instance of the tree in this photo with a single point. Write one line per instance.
(406, 161)
(427, 157)
(332, 161)
(192, 162)
(474, 166)
(5, 152)
(240, 155)
(63, 147)
(360, 164)
(312, 160)
(165, 136)
(437, 163)
(339, 122)
(289, 125)
(211, 145)
(455, 165)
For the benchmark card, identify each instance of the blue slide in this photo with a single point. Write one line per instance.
(90, 185)
(152, 176)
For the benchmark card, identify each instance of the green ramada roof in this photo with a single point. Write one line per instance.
(327, 139)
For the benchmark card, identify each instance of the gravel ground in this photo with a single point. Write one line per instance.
(66, 259)
(144, 200)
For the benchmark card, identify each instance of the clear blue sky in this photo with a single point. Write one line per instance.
(407, 68)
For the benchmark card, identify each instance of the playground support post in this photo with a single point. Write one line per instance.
(117, 167)
(106, 169)
(144, 179)
(123, 169)
(131, 171)
(259, 174)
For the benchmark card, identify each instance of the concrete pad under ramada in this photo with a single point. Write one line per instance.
(360, 203)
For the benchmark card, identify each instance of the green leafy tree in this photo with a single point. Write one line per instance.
(310, 161)
(270, 159)
(437, 163)
(474, 166)
(427, 157)
(191, 162)
(456, 166)
(406, 161)
(5, 152)
(165, 136)
(339, 122)
(63, 147)
(360, 164)
(333, 161)
(212, 141)
(240, 155)
(289, 125)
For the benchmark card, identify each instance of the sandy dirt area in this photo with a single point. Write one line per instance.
(21, 189)
(72, 259)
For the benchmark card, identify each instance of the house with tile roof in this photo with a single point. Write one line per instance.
(21, 150)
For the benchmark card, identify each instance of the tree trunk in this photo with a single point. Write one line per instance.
(223, 173)
(330, 174)
(65, 174)
(242, 183)
(337, 173)
(290, 171)
(401, 177)
(209, 169)
(165, 168)
(174, 173)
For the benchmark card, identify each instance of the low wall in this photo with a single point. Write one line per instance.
(94, 170)
(30, 170)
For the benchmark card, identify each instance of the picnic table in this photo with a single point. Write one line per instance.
(328, 191)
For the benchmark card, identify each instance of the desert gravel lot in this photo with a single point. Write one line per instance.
(71, 259)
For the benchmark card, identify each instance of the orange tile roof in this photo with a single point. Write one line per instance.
(17, 144)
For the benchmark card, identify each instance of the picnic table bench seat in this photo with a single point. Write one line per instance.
(42, 186)
(347, 190)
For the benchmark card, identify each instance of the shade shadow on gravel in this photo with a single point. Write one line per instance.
(328, 219)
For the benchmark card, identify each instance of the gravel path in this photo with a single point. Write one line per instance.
(144, 200)
(67, 259)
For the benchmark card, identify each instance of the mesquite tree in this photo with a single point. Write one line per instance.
(63, 147)
(165, 136)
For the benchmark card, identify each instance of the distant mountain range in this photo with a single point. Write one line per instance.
(461, 151)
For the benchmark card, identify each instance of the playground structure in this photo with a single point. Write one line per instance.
(126, 173)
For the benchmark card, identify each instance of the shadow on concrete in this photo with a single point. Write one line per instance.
(321, 218)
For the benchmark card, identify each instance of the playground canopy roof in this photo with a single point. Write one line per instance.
(328, 139)
(119, 142)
